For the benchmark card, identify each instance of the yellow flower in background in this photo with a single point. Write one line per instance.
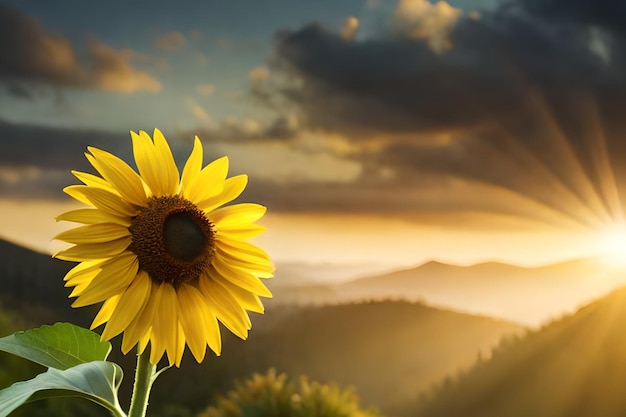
(161, 251)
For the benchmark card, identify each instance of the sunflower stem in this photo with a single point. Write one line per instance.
(144, 377)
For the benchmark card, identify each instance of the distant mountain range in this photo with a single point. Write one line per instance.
(575, 367)
(528, 295)
(389, 351)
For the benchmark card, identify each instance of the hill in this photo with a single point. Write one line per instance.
(494, 289)
(387, 350)
(575, 367)
(32, 283)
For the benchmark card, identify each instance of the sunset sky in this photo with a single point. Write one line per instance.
(377, 132)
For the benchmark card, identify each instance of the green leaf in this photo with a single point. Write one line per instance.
(60, 346)
(96, 381)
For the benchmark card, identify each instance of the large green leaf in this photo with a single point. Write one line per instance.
(60, 346)
(96, 381)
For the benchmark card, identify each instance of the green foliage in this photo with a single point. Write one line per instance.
(96, 381)
(273, 395)
(60, 346)
(76, 367)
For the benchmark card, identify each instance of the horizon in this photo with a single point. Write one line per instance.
(462, 292)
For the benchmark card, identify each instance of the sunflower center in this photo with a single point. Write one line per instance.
(173, 240)
(183, 237)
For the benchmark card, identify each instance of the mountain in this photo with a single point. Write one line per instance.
(491, 288)
(387, 350)
(32, 283)
(575, 367)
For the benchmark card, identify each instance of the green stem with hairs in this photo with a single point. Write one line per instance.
(145, 374)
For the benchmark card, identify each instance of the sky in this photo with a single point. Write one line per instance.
(376, 132)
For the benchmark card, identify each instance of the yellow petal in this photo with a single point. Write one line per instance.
(147, 162)
(143, 340)
(225, 307)
(94, 181)
(237, 214)
(240, 232)
(82, 268)
(82, 281)
(192, 167)
(210, 181)
(169, 170)
(214, 339)
(165, 327)
(131, 303)
(93, 233)
(260, 268)
(92, 216)
(220, 270)
(117, 173)
(138, 331)
(105, 311)
(114, 277)
(245, 298)
(75, 192)
(157, 341)
(103, 199)
(243, 250)
(193, 314)
(94, 251)
(233, 187)
(180, 344)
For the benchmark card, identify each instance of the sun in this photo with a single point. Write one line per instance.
(611, 245)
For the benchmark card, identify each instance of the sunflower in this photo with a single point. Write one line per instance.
(162, 253)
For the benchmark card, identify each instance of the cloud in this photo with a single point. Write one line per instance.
(420, 19)
(36, 161)
(248, 130)
(607, 14)
(350, 26)
(112, 71)
(259, 74)
(198, 112)
(205, 89)
(279, 163)
(170, 41)
(521, 101)
(387, 84)
(30, 54)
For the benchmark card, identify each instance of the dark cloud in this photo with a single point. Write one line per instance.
(18, 90)
(36, 161)
(527, 98)
(54, 148)
(392, 84)
(29, 53)
(608, 14)
(242, 131)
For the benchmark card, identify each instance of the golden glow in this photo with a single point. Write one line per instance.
(612, 244)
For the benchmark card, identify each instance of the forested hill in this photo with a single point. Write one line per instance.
(32, 283)
(575, 367)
